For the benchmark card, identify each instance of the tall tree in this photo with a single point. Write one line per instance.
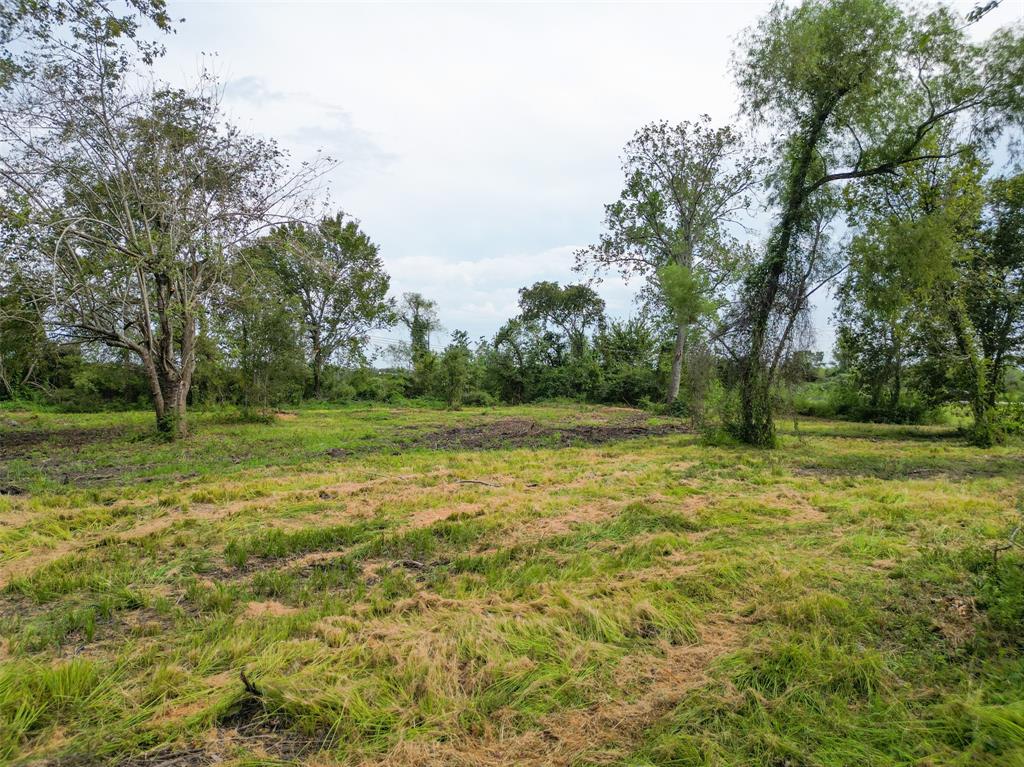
(995, 281)
(130, 203)
(685, 185)
(335, 272)
(573, 309)
(850, 89)
(954, 245)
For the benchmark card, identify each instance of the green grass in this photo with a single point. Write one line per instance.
(669, 600)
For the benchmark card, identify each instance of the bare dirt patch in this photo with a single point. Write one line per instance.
(15, 444)
(525, 432)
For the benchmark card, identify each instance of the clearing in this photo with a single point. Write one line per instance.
(556, 585)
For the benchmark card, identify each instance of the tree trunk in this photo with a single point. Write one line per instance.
(984, 433)
(757, 424)
(317, 376)
(170, 383)
(677, 363)
(170, 407)
(897, 378)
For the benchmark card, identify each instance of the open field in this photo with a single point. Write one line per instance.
(559, 585)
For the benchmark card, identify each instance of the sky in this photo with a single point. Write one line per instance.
(478, 143)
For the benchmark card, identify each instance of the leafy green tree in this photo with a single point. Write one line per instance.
(334, 272)
(851, 89)
(261, 331)
(25, 348)
(951, 245)
(628, 354)
(573, 309)
(687, 187)
(454, 370)
(419, 315)
(510, 364)
(876, 315)
(36, 33)
(995, 280)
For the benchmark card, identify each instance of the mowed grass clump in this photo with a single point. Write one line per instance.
(659, 600)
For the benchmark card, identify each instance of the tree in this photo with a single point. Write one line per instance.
(995, 281)
(628, 353)
(260, 332)
(129, 205)
(942, 239)
(453, 369)
(31, 31)
(24, 347)
(334, 271)
(876, 315)
(419, 315)
(851, 89)
(572, 309)
(685, 185)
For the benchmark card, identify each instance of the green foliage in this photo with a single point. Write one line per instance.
(333, 275)
(852, 90)
(686, 292)
(261, 336)
(419, 315)
(454, 370)
(628, 353)
(572, 309)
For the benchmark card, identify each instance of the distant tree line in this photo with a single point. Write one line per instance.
(153, 252)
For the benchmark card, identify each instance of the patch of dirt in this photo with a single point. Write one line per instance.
(15, 444)
(28, 564)
(427, 517)
(525, 432)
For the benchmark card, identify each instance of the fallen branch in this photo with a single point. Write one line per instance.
(249, 686)
(1010, 543)
(475, 482)
(410, 564)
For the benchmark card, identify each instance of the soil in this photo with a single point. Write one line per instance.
(16, 444)
(525, 432)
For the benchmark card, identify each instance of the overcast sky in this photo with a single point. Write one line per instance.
(478, 143)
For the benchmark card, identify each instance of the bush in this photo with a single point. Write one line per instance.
(839, 397)
(1009, 418)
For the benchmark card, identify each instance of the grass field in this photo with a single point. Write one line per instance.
(558, 585)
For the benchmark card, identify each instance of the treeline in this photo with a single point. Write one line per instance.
(263, 349)
(147, 239)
